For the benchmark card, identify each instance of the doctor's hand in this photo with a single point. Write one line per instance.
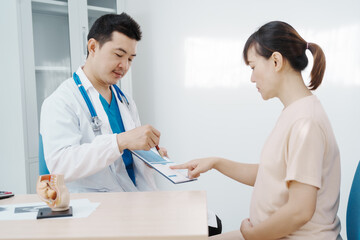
(140, 138)
(197, 166)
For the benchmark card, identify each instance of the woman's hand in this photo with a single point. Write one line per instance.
(163, 152)
(245, 228)
(197, 166)
(288, 218)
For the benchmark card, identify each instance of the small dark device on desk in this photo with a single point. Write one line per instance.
(49, 213)
(5, 194)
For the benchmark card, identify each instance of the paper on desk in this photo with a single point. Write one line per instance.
(81, 208)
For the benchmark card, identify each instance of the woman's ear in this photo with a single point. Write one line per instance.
(278, 61)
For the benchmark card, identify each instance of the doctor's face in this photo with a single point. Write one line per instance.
(263, 74)
(114, 58)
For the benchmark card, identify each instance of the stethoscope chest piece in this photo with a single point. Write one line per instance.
(96, 124)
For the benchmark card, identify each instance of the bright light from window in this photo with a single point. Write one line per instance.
(342, 50)
(215, 63)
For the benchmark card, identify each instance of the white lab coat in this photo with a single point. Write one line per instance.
(89, 163)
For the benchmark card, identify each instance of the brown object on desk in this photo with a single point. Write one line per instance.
(126, 215)
(52, 190)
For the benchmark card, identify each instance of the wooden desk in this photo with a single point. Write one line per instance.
(139, 215)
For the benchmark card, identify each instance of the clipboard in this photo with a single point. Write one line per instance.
(161, 165)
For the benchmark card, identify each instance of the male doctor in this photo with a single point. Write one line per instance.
(93, 153)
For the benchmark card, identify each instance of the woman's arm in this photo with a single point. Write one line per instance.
(241, 172)
(294, 214)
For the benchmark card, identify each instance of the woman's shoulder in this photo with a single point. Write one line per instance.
(305, 108)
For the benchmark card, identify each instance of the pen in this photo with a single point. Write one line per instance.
(158, 150)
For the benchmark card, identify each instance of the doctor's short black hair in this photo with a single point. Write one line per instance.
(105, 25)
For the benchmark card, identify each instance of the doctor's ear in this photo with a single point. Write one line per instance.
(92, 45)
(278, 60)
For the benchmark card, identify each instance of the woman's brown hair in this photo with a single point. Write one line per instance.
(280, 37)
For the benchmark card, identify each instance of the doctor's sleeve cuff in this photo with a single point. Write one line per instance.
(115, 147)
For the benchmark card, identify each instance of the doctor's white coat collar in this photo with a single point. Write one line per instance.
(84, 80)
(128, 122)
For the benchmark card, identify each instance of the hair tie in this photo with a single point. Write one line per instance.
(307, 45)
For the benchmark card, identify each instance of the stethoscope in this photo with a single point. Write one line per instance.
(95, 120)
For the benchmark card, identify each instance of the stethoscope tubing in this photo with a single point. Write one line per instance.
(95, 121)
(85, 95)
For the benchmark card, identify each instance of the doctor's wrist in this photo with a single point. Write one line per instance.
(121, 142)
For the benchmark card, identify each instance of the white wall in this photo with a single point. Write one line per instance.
(12, 158)
(190, 82)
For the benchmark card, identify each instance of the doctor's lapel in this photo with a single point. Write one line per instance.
(95, 98)
(145, 180)
(128, 121)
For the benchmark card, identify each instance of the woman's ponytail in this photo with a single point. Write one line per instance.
(319, 65)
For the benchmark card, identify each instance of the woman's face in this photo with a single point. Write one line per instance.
(263, 74)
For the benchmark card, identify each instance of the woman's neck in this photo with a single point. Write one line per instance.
(293, 89)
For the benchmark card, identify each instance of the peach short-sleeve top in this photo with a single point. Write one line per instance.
(302, 148)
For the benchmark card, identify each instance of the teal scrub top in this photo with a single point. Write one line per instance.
(117, 126)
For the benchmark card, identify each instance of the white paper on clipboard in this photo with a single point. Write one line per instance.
(162, 165)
